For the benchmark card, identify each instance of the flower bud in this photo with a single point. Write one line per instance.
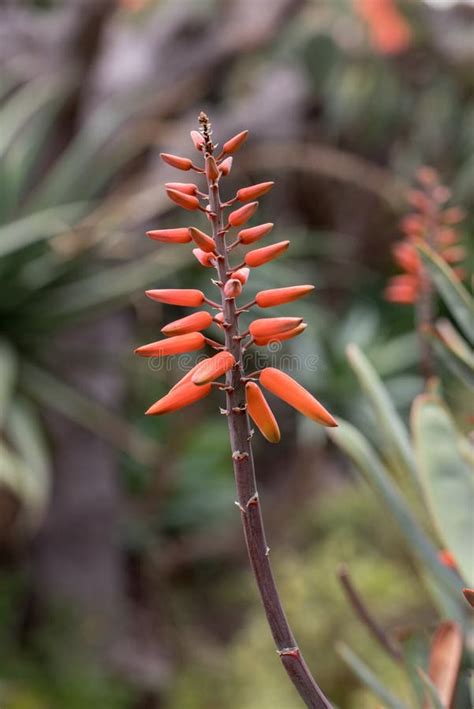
(281, 336)
(176, 161)
(205, 242)
(213, 368)
(186, 187)
(233, 288)
(186, 201)
(287, 389)
(254, 191)
(254, 233)
(402, 289)
(226, 166)
(205, 259)
(453, 215)
(406, 256)
(177, 296)
(454, 254)
(219, 318)
(266, 327)
(173, 345)
(178, 398)
(258, 257)
(233, 144)
(190, 323)
(261, 413)
(279, 296)
(197, 139)
(242, 274)
(170, 236)
(243, 214)
(212, 171)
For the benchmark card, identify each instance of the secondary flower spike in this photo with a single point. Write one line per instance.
(224, 371)
(286, 388)
(261, 413)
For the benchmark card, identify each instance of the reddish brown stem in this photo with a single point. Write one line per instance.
(248, 499)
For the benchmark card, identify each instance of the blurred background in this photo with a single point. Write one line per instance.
(124, 582)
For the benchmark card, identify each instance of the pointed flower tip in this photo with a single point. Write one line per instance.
(177, 296)
(173, 345)
(213, 368)
(254, 191)
(261, 413)
(258, 257)
(279, 296)
(287, 389)
(170, 236)
(184, 395)
(243, 214)
(225, 166)
(198, 140)
(176, 161)
(191, 323)
(205, 242)
(186, 201)
(233, 144)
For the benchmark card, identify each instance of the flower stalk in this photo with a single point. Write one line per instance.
(243, 393)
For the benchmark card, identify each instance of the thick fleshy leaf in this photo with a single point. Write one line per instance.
(173, 345)
(452, 291)
(287, 389)
(8, 369)
(368, 678)
(445, 660)
(432, 698)
(446, 478)
(261, 413)
(452, 350)
(395, 435)
(358, 448)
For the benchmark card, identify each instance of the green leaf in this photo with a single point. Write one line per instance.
(357, 447)
(446, 478)
(453, 351)
(51, 392)
(39, 227)
(431, 691)
(395, 434)
(368, 678)
(452, 291)
(8, 372)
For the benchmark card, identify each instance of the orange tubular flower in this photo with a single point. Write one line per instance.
(261, 414)
(244, 398)
(254, 233)
(173, 345)
(258, 257)
(233, 288)
(205, 242)
(279, 296)
(230, 146)
(254, 191)
(178, 398)
(177, 296)
(186, 187)
(176, 161)
(191, 323)
(213, 368)
(205, 259)
(287, 389)
(266, 327)
(187, 201)
(170, 236)
(280, 336)
(243, 214)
